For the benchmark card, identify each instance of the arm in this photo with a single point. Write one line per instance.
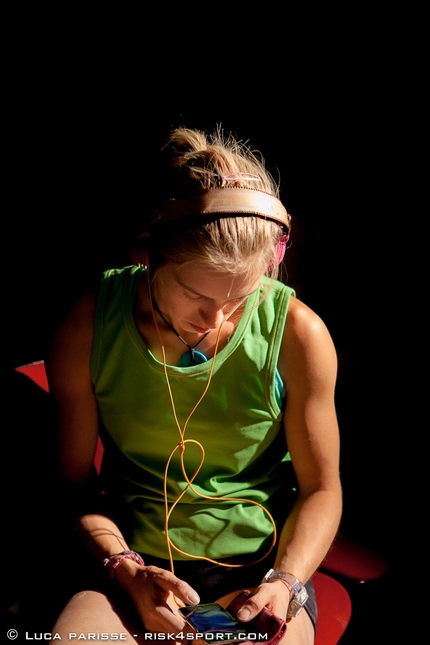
(308, 368)
(69, 377)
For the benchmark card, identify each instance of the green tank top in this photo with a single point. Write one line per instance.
(238, 422)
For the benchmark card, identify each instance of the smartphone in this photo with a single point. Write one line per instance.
(214, 623)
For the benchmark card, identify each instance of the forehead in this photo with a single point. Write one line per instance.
(217, 285)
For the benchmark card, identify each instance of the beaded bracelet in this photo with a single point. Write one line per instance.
(124, 555)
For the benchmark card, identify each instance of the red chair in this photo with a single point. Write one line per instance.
(334, 609)
(345, 558)
(352, 560)
(37, 373)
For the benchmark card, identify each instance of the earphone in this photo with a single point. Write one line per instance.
(181, 446)
(217, 202)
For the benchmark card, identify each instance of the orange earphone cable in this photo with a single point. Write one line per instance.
(189, 481)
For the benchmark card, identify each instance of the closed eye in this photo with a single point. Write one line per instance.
(192, 297)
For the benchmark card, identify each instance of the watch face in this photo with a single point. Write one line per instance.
(302, 597)
(294, 609)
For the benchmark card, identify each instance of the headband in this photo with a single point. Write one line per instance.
(228, 201)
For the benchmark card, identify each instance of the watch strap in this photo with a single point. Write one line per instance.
(298, 593)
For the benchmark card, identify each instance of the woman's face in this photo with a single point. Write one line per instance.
(195, 299)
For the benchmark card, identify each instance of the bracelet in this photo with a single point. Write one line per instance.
(124, 555)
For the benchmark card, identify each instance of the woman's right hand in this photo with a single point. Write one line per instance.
(153, 591)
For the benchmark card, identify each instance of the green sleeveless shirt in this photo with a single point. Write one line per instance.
(238, 422)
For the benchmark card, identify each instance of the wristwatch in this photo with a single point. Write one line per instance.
(298, 593)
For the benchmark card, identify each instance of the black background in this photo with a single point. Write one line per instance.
(342, 133)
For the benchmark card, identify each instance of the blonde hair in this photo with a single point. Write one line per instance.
(200, 160)
(197, 161)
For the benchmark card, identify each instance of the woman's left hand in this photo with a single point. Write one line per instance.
(273, 595)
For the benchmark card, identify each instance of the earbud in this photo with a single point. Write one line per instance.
(281, 247)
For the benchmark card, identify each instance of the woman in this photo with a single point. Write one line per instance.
(212, 388)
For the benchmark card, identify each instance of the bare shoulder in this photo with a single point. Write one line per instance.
(81, 316)
(307, 348)
(303, 323)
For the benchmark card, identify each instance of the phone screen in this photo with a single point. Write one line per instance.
(212, 620)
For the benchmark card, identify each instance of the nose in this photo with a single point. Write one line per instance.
(211, 317)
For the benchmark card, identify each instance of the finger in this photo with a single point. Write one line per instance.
(264, 596)
(251, 608)
(169, 582)
(163, 620)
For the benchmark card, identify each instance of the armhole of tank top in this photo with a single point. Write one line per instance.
(128, 296)
(274, 384)
(100, 298)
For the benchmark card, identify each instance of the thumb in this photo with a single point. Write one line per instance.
(253, 605)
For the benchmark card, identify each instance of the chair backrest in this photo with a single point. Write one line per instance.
(36, 372)
(353, 560)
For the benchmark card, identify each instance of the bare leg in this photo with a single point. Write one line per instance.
(91, 612)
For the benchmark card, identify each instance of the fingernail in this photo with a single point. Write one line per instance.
(243, 613)
(193, 598)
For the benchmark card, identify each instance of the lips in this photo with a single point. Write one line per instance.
(199, 330)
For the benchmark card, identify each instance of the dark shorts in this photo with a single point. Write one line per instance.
(212, 581)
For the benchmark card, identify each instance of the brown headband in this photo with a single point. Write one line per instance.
(234, 201)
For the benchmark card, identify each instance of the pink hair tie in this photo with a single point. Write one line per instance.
(240, 176)
(124, 555)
